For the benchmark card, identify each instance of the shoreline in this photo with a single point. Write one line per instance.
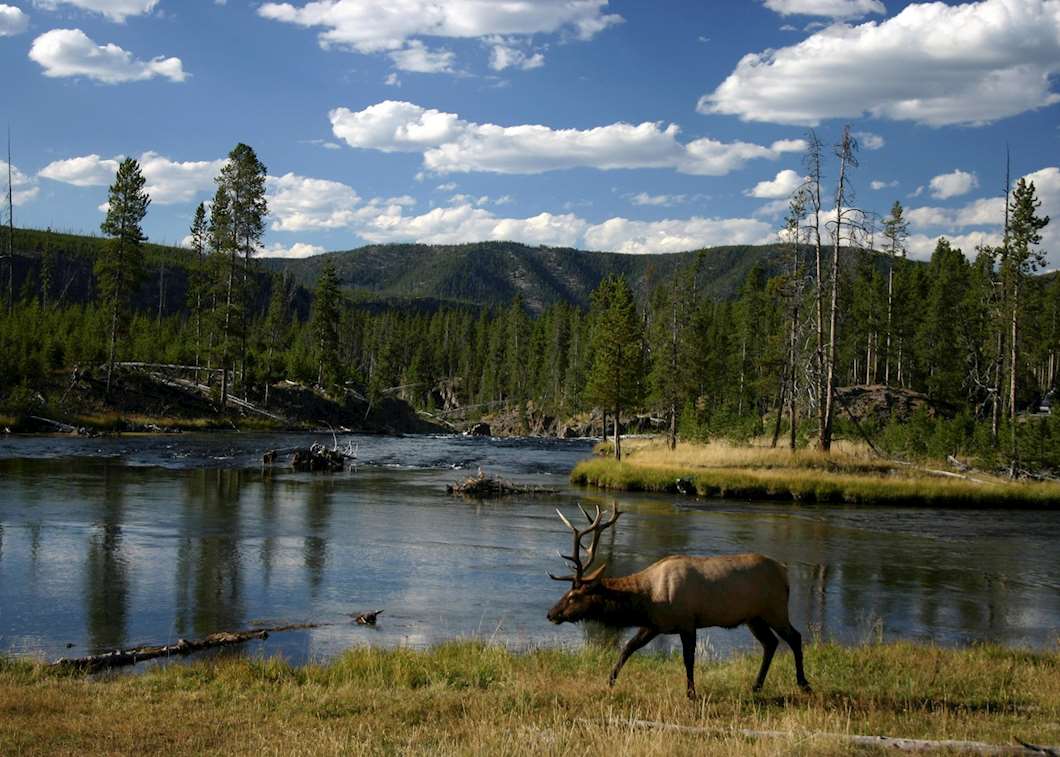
(748, 473)
(466, 697)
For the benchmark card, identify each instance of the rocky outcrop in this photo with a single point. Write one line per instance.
(881, 404)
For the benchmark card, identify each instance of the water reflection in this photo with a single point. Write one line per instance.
(101, 553)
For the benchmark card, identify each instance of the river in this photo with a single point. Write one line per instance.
(113, 542)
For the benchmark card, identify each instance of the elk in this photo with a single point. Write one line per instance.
(678, 595)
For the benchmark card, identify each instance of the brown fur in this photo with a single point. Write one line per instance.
(678, 595)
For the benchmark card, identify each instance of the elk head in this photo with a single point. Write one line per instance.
(580, 599)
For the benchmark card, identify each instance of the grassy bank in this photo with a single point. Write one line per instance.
(849, 474)
(467, 698)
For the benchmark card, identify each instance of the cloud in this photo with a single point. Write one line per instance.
(115, 10)
(168, 182)
(452, 145)
(23, 188)
(296, 250)
(643, 198)
(638, 237)
(419, 58)
(392, 26)
(504, 54)
(869, 141)
(829, 8)
(953, 184)
(12, 21)
(785, 183)
(392, 80)
(878, 184)
(302, 203)
(70, 52)
(932, 63)
(987, 216)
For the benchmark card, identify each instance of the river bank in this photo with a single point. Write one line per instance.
(850, 474)
(471, 698)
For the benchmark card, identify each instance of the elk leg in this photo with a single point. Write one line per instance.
(794, 640)
(765, 637)
(688, 648)
(640, 638)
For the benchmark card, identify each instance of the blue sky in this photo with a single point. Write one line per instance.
(627, 126)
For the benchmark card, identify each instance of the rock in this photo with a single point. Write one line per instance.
(478, 429)
(882, 404)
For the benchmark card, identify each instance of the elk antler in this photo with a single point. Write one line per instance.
(596, 526)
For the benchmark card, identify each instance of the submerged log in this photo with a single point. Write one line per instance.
(482, 486)
(124, 657)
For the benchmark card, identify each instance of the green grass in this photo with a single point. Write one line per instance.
(761, 473)
(467, 698)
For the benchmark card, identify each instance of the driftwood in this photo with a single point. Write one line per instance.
(482, 486)
(123, 657)
(877, 742)
(316, 458)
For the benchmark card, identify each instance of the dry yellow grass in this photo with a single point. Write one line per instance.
(850, 473)
(473, 699)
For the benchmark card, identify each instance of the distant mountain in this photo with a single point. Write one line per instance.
(493, 273)
(423, 277)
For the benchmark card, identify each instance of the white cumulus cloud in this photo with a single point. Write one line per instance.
(932, 63)
(23, 188)
(869, 141)
(505, 54)
(829, 8)
(12, 21)
(953, 184)
(981, 221)
(375, 26)
(643, 198)
(878, 184)
(369, 26)
(450, 144)
(115, 10)
(70, 52)
(296, 250)
(785, 183)
(168, 181)
(419, 58)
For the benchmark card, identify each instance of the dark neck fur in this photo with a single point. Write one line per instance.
(617, 604)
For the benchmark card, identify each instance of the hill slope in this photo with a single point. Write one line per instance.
(495, 272)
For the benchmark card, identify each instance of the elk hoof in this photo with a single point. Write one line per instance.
(692, 695)
(756, 688)
(805, 686)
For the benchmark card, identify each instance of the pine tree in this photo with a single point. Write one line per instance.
(199, 240)
(1021, 258)
(243, 179)
(614, 381)
(895, 231)
(120, 264)
(225, 260)
(325, 322)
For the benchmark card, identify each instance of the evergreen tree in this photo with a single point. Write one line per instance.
(895, 231)
(119, 266)
(325, 322)
(615, 380)
(243, 179)
(1021, 258)
(198, 280)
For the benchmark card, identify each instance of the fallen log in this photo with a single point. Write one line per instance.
(182, 647)
(877, 742)
(482, 486)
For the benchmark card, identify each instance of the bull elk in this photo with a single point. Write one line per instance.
(678, 595)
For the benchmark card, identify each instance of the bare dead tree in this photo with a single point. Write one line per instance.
(814, 162)
(845, 215)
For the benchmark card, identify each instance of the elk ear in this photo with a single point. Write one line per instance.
(596, 575)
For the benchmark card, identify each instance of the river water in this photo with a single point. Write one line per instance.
(106, 543)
